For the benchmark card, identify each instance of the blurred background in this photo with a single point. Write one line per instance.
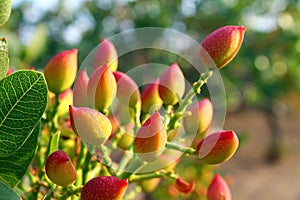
(262, 83)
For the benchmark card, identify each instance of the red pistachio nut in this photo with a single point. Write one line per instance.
(221, 46)
(217, 147)
(127, 90)
(61, 70)
(171, 85)
(104, 188)
(92, 126)
(80, 90)
(60, 169)
(200, 118)
(151, 138)
(106, 53)
(151, 100)
(102, 88)
(183, 186)
(218, 189)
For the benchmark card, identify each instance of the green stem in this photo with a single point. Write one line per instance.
(48, 195)
(70, 192)
(86, 164)
(124, 161)
(186, 150)
(136, 115)
(80, 155)
(53, 117)
(32, 178)
(116, 138)
(156, 174)
(53, 124)
(196, 89)
(106, 160)
(202, 80)
(133, 167)
(173, 123)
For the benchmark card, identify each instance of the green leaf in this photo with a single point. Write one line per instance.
(3, 57)
(23, 100)
(14, 167)
(7, 193)
(54, 142)
(5, 9)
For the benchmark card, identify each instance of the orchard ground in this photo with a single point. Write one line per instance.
(250, 175)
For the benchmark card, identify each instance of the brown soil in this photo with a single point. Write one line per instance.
(251, 175)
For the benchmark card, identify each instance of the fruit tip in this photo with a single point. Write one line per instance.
(75, 50)
(243, 28)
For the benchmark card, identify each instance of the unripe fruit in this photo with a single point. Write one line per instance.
(80, 90)
(151, 138)
(106, 53)
(171, 85)
(127, 90)
(102, 88)
(218, 189)
(172, 134)
(183, 186)
(50, 101)
(92, 126)
(60, 169)
(66, 99)
(104, 188)
(151, 100)
(127, 137)
(125, 141)
(200, 118)
(221, 46)
(60, 72)
(149, 185)
(217, 147)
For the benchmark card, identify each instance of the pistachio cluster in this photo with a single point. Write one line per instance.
(109, 112)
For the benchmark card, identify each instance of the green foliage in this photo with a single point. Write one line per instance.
(38, 46)
(23, 97)
(14, 166)
(54, 145)
(3, 57)
(5, 9)
(7, 193)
